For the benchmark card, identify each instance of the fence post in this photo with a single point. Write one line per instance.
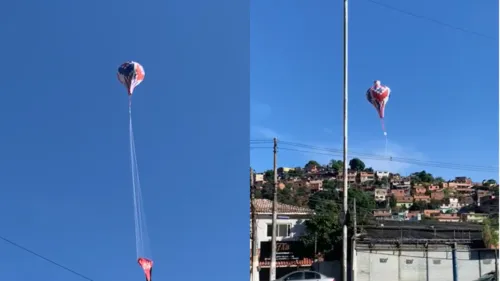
(426, 262)
(454, 261)
(479, 260)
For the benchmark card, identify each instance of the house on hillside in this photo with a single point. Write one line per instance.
(380, 194)
(404, 202)
(418, 190)
(366, 176)
(382, 174)
(488, 205)
(437, 195)
(258, 178)
(351, 176)
(315, 185)
(422, 198)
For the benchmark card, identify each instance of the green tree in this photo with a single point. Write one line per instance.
(325, 195)
(336, 165)
(418, 206)
(324, 227)
(356, 164)
(365, 203)
(311, 164)
(296, 172)
(438, 180)
(267, 190)
(434, 204)
(269, 176)
(489, 182)
(392, 202)
(286, 195)
(490, 233)
(302, 196)
(446, 193)
(384, 181)
(421, 177)
(369, 170)
(330, 184)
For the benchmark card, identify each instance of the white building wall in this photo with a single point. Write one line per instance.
(297, 228)
(412, 265)
(381, 174)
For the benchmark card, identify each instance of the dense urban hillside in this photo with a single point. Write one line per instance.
(379, 195)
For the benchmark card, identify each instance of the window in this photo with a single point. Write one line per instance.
(295, 276)
(308, 275)
(282, 230)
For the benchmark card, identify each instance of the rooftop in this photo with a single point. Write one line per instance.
(265, 206)
(421, 231)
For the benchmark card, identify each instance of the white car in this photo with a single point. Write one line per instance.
(305, 275)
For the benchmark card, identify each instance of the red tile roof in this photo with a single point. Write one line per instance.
(266, 206)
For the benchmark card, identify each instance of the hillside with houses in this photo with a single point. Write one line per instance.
(380, 196)
(417, 196)
(385, 210)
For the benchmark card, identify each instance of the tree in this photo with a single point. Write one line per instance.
(356, 164)
(336, 165)
(489, 182)
(392, 202)
(285, 195)
(434, 204)
(439, 180)
(302, 196)
(421, 177)
(384, 181)
(490, 234)
(329, 184)
(446, 193)
(311, 164)
(324, 227)
(325, 195)
(369, 170)
(296, 173)
(269, 176)
(418, 206)
(267, 190)
(365, 203)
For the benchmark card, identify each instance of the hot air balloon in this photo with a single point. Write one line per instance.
(131, 74)
(378, 95)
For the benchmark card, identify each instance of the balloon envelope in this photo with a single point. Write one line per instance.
(378, 95)
(131, 74)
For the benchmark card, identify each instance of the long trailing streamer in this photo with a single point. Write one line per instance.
(141, 232)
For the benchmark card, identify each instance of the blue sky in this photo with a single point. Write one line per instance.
(65, 170)
(444, 103)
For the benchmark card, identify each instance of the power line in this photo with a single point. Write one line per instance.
(304, 148)
(435, 21)
(46, 259)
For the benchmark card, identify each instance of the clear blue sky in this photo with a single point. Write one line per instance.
(64, 166)
(444, 103)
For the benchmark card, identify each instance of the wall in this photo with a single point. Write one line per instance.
(298, 228)
(393, 265)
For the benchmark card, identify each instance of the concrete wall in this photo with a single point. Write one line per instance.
(416, 265)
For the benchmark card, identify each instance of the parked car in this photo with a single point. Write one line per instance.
(305, 275)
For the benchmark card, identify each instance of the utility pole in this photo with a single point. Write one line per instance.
(354, 266)
(344, 228)
(255, 256)
(272, 273)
